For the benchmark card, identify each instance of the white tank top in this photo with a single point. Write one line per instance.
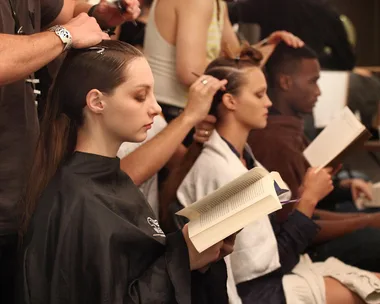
(161, 56)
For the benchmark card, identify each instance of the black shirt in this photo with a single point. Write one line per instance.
(18, 117)
(133, 34)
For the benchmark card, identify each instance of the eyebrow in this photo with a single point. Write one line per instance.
(262, 89)
(144, 86)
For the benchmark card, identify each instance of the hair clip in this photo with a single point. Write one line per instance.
(237, 59)
(98, 49)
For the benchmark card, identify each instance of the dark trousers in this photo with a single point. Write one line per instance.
(360, 248)
(8, 262)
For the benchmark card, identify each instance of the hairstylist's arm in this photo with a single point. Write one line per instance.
(150, 157)
(203, 131)
(230, 41)
(108, 15)
(194, 18)
(22, 55)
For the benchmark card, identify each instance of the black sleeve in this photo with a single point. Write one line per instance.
(210, 287)
(293, 237)
(50, 10)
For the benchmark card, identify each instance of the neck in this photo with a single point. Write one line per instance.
(281, 104)
(93, 140)
(234, 133)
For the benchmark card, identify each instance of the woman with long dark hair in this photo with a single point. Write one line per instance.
(89, 234)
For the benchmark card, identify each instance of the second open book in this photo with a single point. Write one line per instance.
(343, 135)
(251, 196)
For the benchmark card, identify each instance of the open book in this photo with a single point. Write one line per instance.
(233, 206)
(339, 138)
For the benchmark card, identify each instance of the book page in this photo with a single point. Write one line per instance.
(233, 204)
(334, 94)
(222, 194)
(336, 137)
(234, 223)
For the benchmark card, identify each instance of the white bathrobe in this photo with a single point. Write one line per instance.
(207, 175)
(256, 251)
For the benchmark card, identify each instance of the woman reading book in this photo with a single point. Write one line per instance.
(91, 237)
(267, 264)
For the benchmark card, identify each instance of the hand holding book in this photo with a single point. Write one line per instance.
(316, 185)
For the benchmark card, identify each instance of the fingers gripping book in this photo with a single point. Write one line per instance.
(230, 208)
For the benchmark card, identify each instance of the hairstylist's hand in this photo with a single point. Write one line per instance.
(109, 15)
(85, 31)
(203, 130)
(317, 184)
(201, 94)
(288, 38)
(199, 261)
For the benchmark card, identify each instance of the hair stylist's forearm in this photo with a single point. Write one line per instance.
(21, 55)
(150, 157)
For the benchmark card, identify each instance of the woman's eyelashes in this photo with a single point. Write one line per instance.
(141, 96)
(260, 93)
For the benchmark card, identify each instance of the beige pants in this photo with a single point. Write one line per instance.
(306, 285)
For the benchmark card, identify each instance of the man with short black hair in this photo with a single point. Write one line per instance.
(293, 89)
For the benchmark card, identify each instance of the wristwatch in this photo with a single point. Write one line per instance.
(63, 34)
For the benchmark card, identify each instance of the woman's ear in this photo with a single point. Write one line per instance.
(229, 101)
(95, 101)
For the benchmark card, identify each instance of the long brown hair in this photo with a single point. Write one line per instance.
(101, 67)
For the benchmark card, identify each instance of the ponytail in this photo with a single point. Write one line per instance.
(56, 142)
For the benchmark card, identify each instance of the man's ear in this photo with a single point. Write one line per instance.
(95, 101)
(229, 101)
(285, 82)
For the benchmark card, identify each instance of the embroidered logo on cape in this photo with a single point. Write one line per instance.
(156, 227)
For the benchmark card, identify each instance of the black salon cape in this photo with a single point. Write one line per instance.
(94, 239)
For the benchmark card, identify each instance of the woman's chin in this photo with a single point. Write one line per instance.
(259, 125)
(137, 138)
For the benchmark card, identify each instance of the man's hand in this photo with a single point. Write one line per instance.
(85, 31)
(109, 15)
(358, 187)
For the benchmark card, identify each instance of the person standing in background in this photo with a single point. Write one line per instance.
(181, 38)
(25, 47)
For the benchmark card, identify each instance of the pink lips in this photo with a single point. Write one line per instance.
(148, 126)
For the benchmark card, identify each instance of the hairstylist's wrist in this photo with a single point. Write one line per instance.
(190, 118)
